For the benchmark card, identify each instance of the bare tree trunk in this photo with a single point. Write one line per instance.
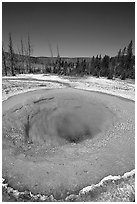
(4, 60)
(26, 59)
(50, 63)
(29, 54)
(11, 53)
(19, 59)
(22, 55)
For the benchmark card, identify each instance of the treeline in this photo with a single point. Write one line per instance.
(121, 66)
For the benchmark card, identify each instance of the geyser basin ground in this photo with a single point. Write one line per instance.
(59, 141)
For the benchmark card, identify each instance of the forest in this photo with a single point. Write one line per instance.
(22, 62)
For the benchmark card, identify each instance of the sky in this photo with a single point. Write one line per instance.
(79, 29)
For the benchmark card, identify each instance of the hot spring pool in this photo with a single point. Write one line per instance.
(58, 141)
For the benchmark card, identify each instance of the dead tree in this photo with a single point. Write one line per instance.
(29, 53)
(22, 56)
(18, 60)
(58, 55)
(51, 61)
(4, 60)
(11, 56)
(58, 60)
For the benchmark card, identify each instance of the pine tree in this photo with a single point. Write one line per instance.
(119, 62)
(98, 66)
(92, 66)
(83, 67)
(95, 73)
(122, 64)
(133, 68)
(122, 70)
(129, 60)
(4, 60)
(129, 49)
(111, 70)
(119, 55)
(123, 51)
(105, 66)
(77, 66)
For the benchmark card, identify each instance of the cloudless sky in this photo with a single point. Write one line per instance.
(79, 29)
